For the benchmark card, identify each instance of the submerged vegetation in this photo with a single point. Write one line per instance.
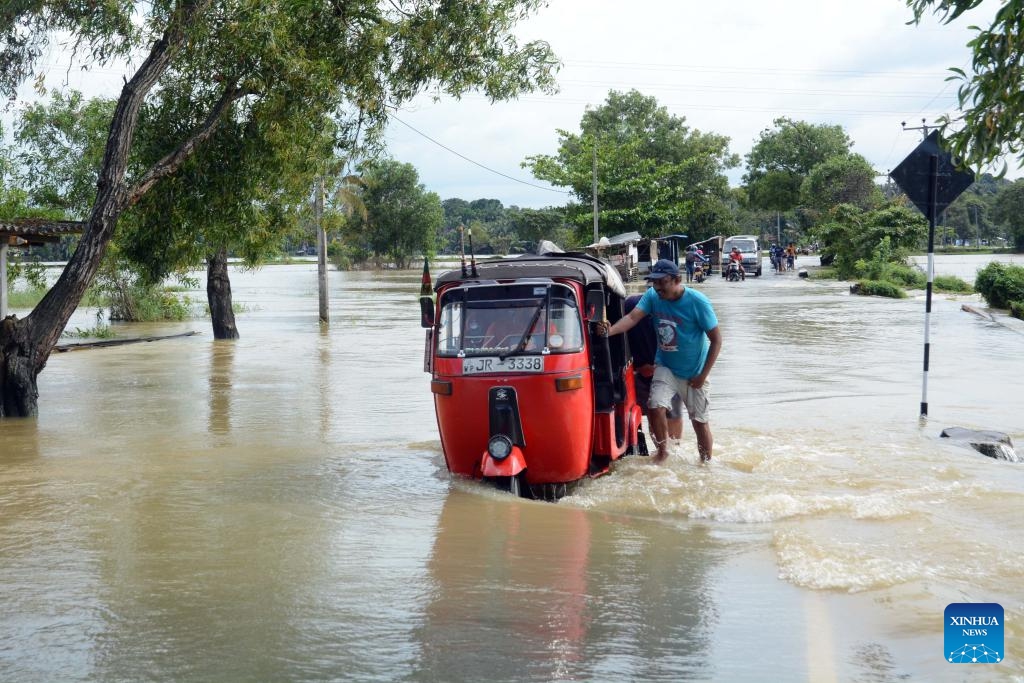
(879, 288)
(101, 330)
(1002, 286)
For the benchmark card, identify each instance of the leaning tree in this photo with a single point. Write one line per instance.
(290, 58)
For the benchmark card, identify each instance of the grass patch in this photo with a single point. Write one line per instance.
(25, 298)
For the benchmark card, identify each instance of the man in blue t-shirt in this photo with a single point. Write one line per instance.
(688, 345)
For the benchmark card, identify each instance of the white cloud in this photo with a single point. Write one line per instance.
(727, 67)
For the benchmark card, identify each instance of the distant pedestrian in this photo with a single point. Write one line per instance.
(691, 259)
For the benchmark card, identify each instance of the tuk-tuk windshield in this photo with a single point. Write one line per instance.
(503, 319)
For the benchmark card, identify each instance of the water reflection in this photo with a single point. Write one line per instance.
(222, 358)
(525, 591)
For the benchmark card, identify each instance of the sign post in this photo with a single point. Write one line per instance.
(930, 179)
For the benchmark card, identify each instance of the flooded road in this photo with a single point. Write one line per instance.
(277, 508)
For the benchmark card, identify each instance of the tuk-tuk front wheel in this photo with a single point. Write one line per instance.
(516, 485)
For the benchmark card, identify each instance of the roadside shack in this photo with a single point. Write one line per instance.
(621, 252)
(712, 249)
(656, 248)
(24, 233)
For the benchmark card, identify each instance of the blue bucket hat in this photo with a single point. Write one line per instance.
(661, 269)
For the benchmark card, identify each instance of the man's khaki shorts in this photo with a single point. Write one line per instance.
(665, 385)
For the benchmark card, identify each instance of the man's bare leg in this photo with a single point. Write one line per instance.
(675, 428)
(657, 417)
(704, 440)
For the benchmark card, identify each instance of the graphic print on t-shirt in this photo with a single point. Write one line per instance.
(667, 337)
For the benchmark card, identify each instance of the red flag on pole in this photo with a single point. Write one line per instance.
(426, 298)
(426, 287)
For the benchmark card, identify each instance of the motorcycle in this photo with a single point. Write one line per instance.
(733, 272)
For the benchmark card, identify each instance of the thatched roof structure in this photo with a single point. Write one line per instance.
(23, 232)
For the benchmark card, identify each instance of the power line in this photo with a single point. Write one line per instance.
(705, 87)
(677, 106)
(486, 168)
(759, 70)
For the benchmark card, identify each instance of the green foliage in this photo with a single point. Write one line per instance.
(990, 121)
(784, 157)
(101, 330)
(1000, 284)
(60, 148)
(533, 225)
(1009, 210)
(884, 266)
(244, 191)
(655, 175)
(1017, 309)
(952, 284)
(852, 235)
(503, 229)
(402, 218)
(35, 275)
(844, 179)
(32, 272)
(879, 288)
(130, 297)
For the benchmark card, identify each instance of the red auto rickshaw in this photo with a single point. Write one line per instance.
(526, 396)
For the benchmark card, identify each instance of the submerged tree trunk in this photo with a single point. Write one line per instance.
(19, 394)
(218, 294)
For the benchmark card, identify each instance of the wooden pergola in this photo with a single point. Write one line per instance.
(26, 232)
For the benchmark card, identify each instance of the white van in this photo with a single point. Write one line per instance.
(749, 246)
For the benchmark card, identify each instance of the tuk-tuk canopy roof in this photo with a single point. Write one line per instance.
(582, 268)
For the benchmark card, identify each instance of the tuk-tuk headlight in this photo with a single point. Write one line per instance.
(499, 446)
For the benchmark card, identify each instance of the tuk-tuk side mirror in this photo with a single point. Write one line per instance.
(426, 311)
(595, 305)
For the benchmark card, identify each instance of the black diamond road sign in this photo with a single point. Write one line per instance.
(913, 176)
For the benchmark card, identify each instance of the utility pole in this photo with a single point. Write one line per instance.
(923, 127)
(321, 250)
(977, 227)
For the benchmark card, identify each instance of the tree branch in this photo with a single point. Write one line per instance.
(173, 161)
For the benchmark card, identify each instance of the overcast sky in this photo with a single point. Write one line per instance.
(727, 67)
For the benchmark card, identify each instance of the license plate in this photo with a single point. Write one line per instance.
(486, 364)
